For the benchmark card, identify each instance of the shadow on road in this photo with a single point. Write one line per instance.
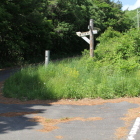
(15, 114)
(16, 117)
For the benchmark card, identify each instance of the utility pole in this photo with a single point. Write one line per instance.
(138, 18)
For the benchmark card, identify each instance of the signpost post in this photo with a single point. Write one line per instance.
(91, 33)
(91, 38)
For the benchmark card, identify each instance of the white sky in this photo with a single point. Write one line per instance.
(130, 4)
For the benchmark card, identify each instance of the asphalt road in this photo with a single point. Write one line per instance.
(16, 124)
(6, 73)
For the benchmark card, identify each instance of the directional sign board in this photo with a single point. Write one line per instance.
(86, 33)
(86, 39)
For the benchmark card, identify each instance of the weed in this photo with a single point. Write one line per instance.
(113, 72)
(65, 118)
(48, 120)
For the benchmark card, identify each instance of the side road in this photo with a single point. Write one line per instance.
(6, 73)
(87, 119)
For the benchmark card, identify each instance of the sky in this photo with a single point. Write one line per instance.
(129, 4)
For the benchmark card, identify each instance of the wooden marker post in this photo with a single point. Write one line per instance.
(91, 38)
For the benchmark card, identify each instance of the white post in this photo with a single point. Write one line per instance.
(47, 57)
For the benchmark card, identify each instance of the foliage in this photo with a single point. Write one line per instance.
(121, 50)
(30, 27)
(107, 13)
(23, 30)
(75, 78)
(133, 16)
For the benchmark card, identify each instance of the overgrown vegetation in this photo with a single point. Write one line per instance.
(113, 72)
(29, 27)
(133, 16)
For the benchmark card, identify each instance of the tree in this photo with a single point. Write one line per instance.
(107, 13)
(29, 27)
(67, 17)
(24, 30)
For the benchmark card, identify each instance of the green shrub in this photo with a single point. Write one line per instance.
(122, 50)
(113, 72)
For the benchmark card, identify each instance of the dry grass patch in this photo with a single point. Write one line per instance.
(59, 137)
(49, 124)
(132, 114)
(14, 114)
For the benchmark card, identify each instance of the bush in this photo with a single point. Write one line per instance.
(122, 50)
(113, 72)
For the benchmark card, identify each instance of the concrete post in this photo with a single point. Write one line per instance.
(47, 57)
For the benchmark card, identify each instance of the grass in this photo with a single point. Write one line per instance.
(65, 118)
(74, 78)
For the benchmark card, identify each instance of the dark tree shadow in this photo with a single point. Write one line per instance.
(14, 117)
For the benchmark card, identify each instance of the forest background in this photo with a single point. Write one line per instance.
(29, 27)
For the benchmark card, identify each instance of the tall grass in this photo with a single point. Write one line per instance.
(73, 78)
(113, 72)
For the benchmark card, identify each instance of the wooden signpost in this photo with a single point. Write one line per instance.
(89, 40)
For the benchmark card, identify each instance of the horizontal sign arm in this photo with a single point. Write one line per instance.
(86, 33)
